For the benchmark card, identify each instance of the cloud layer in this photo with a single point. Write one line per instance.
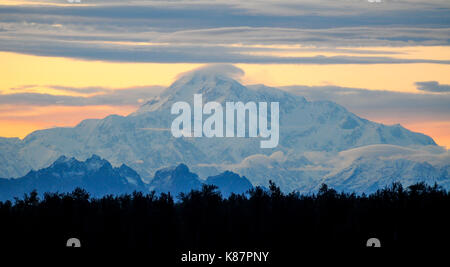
(378, 103)
(223, 31)
(433, 86)
(112, 97)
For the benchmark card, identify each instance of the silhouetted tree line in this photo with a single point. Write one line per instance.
(261, 219)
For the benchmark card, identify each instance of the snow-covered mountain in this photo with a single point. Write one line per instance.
(95, 175)
(369, 168)
(144, 142)
(175, 180)
(179, 179)
(99, 178)
(230, 182)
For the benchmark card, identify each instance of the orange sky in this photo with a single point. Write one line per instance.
(20, 70)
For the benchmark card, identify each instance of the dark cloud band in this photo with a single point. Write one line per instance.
(378, 103)
(201, 31)
(433, 86)
(111, 97)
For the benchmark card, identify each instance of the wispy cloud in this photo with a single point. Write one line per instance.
(82, 90)
(112, 97)
(433, 86)
(378, 103)
(187, 54)
(222, 31)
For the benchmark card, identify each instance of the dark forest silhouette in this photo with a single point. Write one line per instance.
(261, 219)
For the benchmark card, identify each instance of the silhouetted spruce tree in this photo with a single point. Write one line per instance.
(203, 219)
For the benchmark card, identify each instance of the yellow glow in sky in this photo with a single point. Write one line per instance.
(416, 52)
(19, 70)
(21, 121)
(391, 77)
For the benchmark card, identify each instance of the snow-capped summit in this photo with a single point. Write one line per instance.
(217, 86)
(210, 81)
(144, 142)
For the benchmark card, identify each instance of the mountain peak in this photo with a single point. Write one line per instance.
(95, 159)
(215, 82)
(218, 83)
(182, 168)
(95, 175)
(63, 160)
(175, 180)
(95, 162)
(204, 79)
(229, 182)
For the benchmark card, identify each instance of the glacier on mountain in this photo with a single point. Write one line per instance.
(316, 140)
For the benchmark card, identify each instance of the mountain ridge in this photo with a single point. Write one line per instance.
(95, 175)
(143, 141)
(99, 178)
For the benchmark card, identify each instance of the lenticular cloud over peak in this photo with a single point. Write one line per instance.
(226, 70)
